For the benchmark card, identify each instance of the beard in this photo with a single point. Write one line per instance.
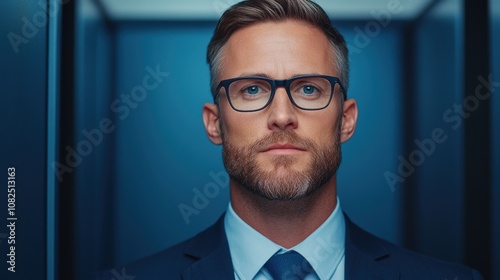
(282, 183)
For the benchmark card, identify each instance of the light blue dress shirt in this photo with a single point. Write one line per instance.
(323, 249)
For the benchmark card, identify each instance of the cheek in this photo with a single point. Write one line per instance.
(322, 129)
(242, 129)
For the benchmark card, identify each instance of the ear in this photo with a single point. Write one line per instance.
(212, 124)
(349, 119)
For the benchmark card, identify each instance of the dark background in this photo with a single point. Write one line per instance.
(121, 200)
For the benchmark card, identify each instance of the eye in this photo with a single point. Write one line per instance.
(308, 89)
(252, 90)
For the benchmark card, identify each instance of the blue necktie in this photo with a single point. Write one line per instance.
(290, 265)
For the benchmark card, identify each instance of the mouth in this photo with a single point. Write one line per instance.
(283, 149)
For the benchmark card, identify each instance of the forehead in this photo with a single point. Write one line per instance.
(279, 50)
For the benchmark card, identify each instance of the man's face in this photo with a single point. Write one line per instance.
(280, 152)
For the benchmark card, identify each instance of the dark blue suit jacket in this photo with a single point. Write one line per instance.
(206, 256)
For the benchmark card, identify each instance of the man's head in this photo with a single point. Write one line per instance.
(289, 147)
(251, 12)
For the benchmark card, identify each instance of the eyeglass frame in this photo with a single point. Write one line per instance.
(279, 83)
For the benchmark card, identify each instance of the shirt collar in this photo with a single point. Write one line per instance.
(250, 250)
(324, 248)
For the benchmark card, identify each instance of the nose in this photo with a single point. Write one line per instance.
(282, 114)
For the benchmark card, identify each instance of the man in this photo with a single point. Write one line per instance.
(279, 77)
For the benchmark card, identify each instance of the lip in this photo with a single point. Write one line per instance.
(283, 149)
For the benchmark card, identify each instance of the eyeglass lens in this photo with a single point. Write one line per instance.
(253, 93)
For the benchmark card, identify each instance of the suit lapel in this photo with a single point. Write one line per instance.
(363, 253)
(211, 253)
(212, 259)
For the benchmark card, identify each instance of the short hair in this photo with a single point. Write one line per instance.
(250, 12)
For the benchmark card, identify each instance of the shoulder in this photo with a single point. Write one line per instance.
(161, 265)
(366, 250)
(169, 263)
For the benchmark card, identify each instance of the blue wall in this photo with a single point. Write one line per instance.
(376, 84)
(23, 121)
(93, 127)
(439, 72)
(162, 152)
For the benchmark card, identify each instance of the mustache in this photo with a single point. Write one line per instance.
(288, 136)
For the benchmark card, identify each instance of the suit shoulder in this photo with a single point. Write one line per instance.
(166, 264)
(420, 266)
(170, 261)
(408, 264)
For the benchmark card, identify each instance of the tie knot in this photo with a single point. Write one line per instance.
(288, 265)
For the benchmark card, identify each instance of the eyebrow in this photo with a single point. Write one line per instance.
(248, 74)
(264, 75)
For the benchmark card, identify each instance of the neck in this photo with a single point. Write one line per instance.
(286, 223)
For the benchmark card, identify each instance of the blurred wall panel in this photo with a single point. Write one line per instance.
(478, 148)
(23, 119)
(436, 152)
(87, 144)
(451, 141)
(366, 195)
(495, 105)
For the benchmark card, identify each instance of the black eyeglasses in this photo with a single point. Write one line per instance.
(308, 92)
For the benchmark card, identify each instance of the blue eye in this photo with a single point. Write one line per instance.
(252, 90)
(308, 89)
